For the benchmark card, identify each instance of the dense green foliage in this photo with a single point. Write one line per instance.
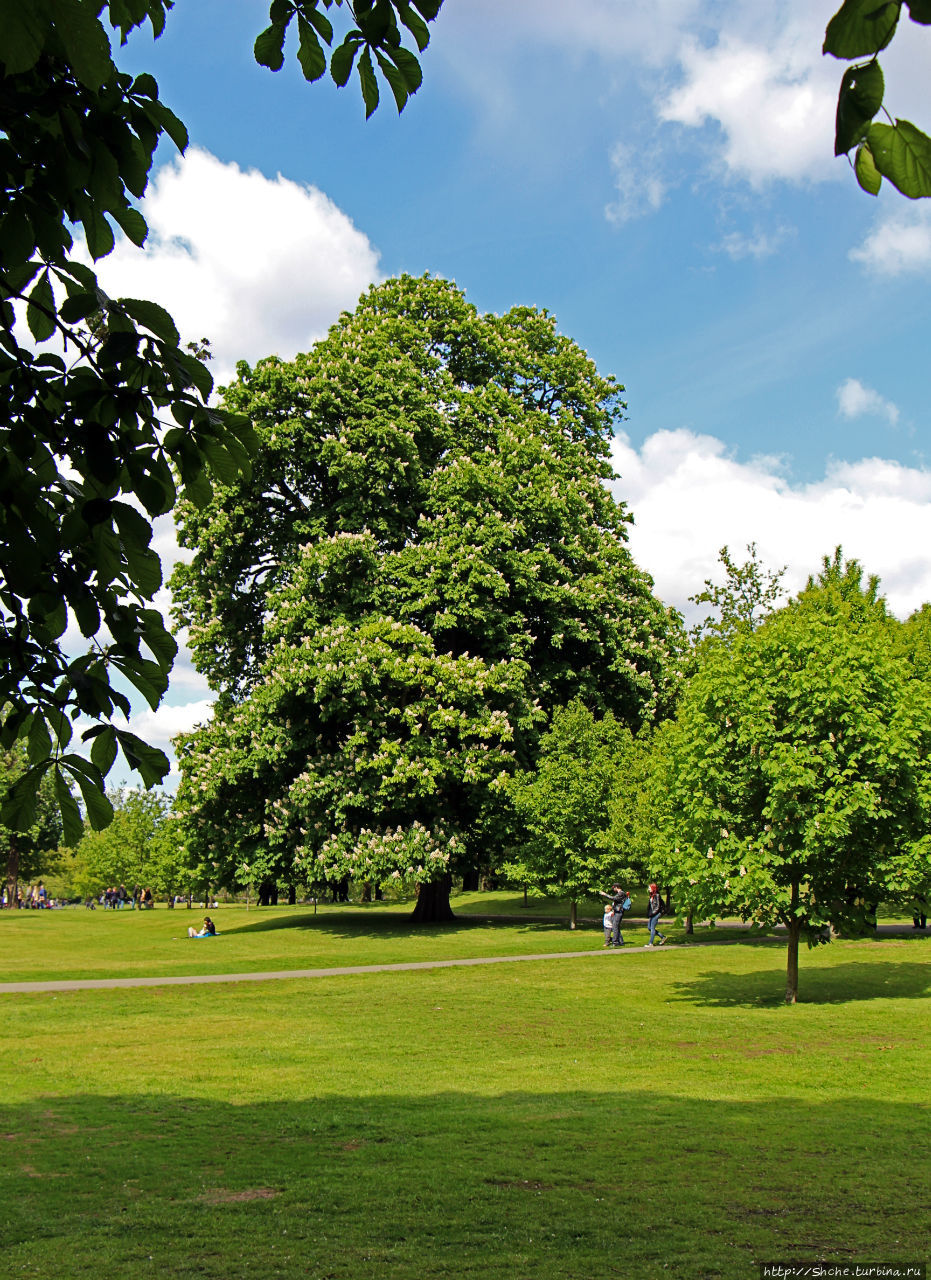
(424, 564)
(899, 151)
(141, 847)
(104, 415)
(27, 855)
(566, 804)
(795, 778)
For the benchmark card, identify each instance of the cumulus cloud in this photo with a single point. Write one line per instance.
(854, 400)
(774, 105)
(690, 497)
(255, 264)
(898, 244)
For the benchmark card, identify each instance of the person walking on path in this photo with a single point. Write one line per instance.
(654, 911)
(620, 902)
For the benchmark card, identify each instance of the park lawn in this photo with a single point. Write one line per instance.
(645, 1114)
(74, 943)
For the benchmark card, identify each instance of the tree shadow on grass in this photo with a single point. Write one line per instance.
(362, 924)
(824, 984)
(417, 1187)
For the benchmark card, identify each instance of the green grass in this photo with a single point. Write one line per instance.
(642, 1115)
(74, 943)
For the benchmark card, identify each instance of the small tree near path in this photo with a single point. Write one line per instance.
(794, 770)
(566, 805)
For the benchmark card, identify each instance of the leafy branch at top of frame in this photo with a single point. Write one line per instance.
(87, 460)
(375, 40)
(899, 150)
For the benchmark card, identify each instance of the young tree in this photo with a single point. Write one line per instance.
(566, 806)
(794, 771)
(425, 562)
(139, 847)
(104, 415)
(33, 852)
(747, 595)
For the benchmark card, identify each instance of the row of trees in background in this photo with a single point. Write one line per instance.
(791, 787)
(142, 846)
(788, 786)
(432, 652)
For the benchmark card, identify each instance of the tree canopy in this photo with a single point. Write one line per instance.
(423, 564)
(104, 414)
(26, 854)
(566, 803)
(795, 775)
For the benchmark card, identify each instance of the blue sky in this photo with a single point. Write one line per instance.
(657, 173)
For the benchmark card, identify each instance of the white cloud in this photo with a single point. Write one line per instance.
(257, 265)
(774, 104)
(690, 498)
(854, 400)
(753, 72)
(899, 243)
(641, 189)
(756, 244)
(159, 727)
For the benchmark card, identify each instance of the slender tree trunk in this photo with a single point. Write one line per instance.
(795, 928)
(573, 914)
(12, 871)
(292, 895)
(433, 902)
(688, 923)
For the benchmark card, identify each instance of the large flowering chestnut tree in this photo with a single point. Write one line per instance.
(423, 564)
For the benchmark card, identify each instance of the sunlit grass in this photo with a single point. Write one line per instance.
(75, 943)
(663, 1109)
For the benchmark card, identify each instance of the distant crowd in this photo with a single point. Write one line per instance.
(116, 897)
(34, 899)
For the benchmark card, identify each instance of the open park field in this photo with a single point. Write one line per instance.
(644, 1114)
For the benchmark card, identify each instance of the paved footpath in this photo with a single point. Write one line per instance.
(342, 971)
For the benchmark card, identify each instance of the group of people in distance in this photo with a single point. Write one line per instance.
(36, 898)
(617, 902)
(114, 898)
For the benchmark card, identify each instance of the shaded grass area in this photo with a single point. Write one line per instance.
(657, 1115)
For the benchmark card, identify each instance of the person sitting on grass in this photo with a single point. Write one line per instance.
(208, 931)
